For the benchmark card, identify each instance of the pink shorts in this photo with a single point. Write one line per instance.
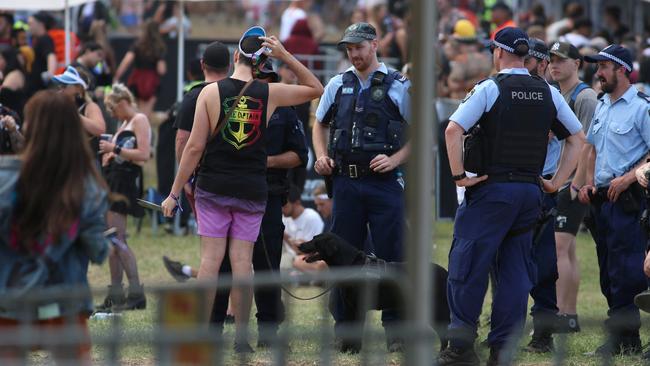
(228, 217)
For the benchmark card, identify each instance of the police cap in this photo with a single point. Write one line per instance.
(614, 53)
(538, 49)
(513, 40)
(357, 33)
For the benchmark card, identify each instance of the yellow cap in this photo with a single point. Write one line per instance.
(464, 29)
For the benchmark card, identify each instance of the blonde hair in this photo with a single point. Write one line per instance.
(118, 93)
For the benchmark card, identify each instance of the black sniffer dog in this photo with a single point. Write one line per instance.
(337, 252)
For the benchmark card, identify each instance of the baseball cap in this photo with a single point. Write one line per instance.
(267, 71)
(538, 49)
(614, 53)
(565, 50)
(216, 55)
(357, 33)
(70, 77)
(511, 38)
(255, 31)
(464, 31)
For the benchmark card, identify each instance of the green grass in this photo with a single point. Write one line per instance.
(308, 315)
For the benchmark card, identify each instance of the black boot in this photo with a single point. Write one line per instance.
(540, 343)
(567, 323)
(453, 356)
(135, 300)
(115, 297)
(495, 358)
(620, 345)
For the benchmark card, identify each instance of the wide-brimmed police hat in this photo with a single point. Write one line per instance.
(538, 49)
(614, 53)
(357, 33)
(512, 40)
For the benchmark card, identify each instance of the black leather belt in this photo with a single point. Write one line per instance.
(355, 171)
(512, 178)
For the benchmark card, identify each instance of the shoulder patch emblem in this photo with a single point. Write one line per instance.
(469, 95)
(377, 94)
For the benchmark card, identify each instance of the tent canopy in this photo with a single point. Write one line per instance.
(36, 5)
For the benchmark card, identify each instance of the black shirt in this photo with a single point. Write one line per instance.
(185, 117)
(234, 163)
(43, 46)
(284, 133)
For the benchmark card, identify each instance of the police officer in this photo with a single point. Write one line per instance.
(619, 140)
(565, 64)
(544, 310)
(493, 227)
(287, 148)
(365, 112)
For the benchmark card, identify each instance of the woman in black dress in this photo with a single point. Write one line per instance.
(123, 158)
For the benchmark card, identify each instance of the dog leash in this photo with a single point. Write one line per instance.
(268, 261)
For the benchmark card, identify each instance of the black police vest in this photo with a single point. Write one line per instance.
(517, 126)
(367, 122)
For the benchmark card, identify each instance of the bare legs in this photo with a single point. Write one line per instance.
(240, 253)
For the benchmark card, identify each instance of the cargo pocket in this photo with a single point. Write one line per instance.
(460, 259)
(395, 132)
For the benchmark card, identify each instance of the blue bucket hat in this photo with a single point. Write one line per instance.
(70, 77)
(614, 53)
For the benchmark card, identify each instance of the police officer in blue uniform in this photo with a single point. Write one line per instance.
(510, 116)
(618, 142)
(364, 113)
(287, 148)
(544, 310)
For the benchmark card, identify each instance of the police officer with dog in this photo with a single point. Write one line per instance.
(618, 143)
(510, 116)
(364, 114)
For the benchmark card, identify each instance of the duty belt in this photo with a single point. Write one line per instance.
(512, 178)
(355, 171)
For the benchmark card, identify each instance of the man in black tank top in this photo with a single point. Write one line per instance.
(231, 189)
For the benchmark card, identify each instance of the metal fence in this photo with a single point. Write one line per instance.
(178, 335)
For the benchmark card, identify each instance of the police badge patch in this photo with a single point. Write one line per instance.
(377, 94)
(471, 92)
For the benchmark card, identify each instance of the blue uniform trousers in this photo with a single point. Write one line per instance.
(620, 245)
(545, 309)
(375, 204)
(480, 243)
(268, 300)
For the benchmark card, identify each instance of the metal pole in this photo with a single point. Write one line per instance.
(66, 26)
(419, 192)
(179, 83)
(181, 52)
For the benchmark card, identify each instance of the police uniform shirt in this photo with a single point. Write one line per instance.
(620, 132)
(481, 99)
(553, 152)
(285, 133)
(398, 93)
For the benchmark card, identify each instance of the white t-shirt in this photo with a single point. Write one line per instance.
(304, 227)
(289, 17)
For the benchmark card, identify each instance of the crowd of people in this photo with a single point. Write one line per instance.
(242, 150)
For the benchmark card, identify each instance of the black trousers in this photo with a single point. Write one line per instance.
(270, 310)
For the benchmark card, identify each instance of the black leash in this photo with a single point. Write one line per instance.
(268, 261)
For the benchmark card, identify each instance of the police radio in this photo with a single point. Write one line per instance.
(645, 216)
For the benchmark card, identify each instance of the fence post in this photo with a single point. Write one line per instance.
(420, 182)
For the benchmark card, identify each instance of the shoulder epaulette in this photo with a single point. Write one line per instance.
(644, 96)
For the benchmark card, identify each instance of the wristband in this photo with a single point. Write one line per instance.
(575, 188)
(117, 149)
(178, 202)
(459, 176)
